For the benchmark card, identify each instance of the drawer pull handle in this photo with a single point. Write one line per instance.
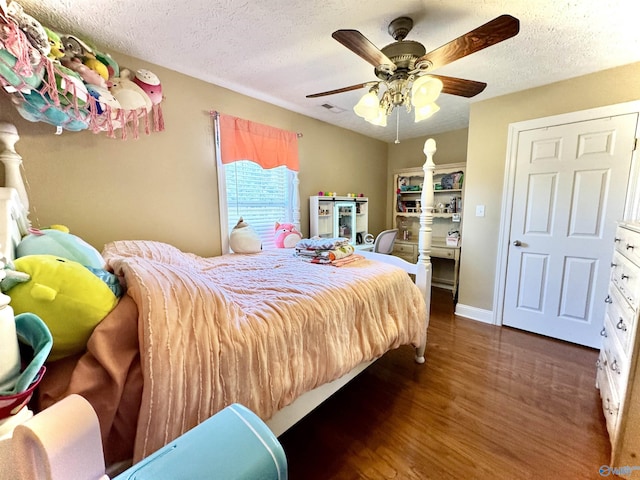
(615, 367)
(608, 299)
(603, 332)
(598, 364)
(614, 265)
(621, 326)
(616, 240)
(624, 277)
(629, 247)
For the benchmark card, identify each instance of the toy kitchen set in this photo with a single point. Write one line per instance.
(332, 215)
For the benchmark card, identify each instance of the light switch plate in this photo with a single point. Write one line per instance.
(479, 210)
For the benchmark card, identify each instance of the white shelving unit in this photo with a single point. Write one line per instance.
(448, 193)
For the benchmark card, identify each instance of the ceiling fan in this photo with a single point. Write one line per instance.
(402, 62)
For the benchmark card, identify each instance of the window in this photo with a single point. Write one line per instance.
(257, 177)
(260, 196)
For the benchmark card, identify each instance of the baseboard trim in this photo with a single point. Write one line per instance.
(473, 313)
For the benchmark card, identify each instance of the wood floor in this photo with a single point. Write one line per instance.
(490, 403)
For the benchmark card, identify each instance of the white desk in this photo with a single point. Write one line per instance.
(444, 276)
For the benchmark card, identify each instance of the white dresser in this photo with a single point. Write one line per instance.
(617, 376)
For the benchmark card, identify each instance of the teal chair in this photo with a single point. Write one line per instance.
(63, 442)
(233, 444)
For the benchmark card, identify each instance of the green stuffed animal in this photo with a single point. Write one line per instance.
(56, 240)
(67, 296)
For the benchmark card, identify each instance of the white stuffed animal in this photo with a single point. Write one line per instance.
(244, 239)
(33, 29)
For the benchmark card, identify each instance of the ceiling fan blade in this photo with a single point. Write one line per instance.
(460, 86)
(344, 89)
(361, 46)
(495, 31)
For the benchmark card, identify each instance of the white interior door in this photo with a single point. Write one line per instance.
(569, 192)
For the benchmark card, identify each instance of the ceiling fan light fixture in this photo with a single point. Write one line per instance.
(426, 111)
(368, 107)
(425, 90)
(402, 67)
(381, 119)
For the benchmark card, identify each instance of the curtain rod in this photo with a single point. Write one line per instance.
(215, 114)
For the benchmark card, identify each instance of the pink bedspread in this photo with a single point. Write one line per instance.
(256, 329)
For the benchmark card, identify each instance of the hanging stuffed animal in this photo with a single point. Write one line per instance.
(150, 84)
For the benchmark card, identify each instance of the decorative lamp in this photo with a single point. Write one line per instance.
(380, 119)
(369, 106)
(425, 90)
(422, 113)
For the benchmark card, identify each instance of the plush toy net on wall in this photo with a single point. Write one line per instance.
(62, 80)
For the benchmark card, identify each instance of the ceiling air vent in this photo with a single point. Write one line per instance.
(332, 108)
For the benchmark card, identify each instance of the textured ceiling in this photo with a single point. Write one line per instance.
(279, 51)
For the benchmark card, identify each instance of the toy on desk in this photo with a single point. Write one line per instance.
(453, 238)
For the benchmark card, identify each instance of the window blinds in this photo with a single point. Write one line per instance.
(261, 197)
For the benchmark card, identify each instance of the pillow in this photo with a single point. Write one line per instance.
(53, 241)
(286, 235)
(151, 249)
(67, 296)
(244, 239)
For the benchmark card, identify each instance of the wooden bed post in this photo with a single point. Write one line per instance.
(423, 277)
(12, 161)
(296, 200)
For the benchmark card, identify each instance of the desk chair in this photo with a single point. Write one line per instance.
(384, 241)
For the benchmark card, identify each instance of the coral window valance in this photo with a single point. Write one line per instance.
(268, 146)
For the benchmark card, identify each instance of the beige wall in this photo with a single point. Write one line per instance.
(452, 148)
(164, 186)
(487, 149)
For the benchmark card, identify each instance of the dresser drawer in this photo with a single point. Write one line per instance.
(626, 276)
(610, 399)
(404, 248)
(406, 258)
(440, 252)
(622, 318)
(615, 360)
(628, 244)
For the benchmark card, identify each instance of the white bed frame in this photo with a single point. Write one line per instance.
(291, 414)
(14, 223)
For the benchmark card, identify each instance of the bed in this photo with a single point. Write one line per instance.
(193, 335)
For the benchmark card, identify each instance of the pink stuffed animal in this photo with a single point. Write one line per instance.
(286, 235)
(150, 84)
(88, 75)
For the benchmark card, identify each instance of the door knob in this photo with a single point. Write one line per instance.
(517, 243)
